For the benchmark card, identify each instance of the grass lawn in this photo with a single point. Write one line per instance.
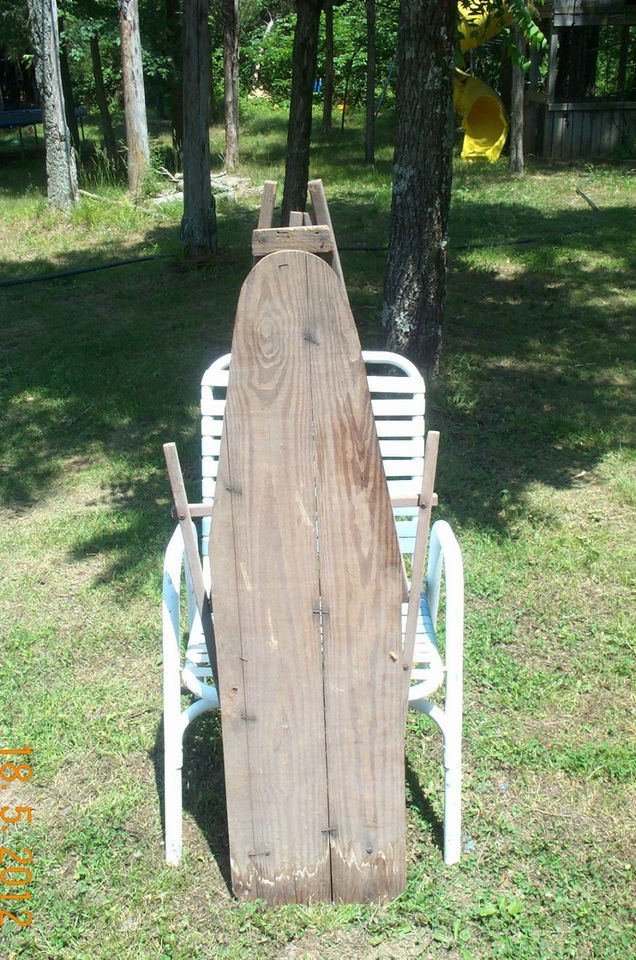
(536, 411)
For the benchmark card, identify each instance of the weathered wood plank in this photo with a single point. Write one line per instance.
(265, 590)
(323, 216)
(362, 590)
(267, 204)
(310, 239)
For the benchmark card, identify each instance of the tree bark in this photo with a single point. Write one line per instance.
(137, 147)
(299, 126)
(415, 285)
(516, 109)
(69, 99)
(369, 139)
(198, 224)
(61, 169)
(230, 14)
(327, 87)
(102, 102)
(173, 19)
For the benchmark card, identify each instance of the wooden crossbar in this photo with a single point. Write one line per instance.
(198, 510)
(310, 234)
(310, 239)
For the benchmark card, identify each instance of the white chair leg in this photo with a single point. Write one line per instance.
(444, 551)
(173, 792)
(452, 794)
(172, 726)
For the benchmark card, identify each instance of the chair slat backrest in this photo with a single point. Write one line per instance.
(397, 398)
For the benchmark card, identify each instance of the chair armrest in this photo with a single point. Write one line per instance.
(445, 559)
(173, 570)
(189, 670)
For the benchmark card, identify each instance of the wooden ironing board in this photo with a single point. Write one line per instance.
(307, 589)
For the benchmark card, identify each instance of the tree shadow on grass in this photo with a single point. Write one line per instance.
(418, 801)
(536, 375)
(106, 367)
(98, 372)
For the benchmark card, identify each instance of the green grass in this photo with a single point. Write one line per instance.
(537, 475)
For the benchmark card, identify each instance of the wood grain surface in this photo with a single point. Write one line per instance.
(306, 590)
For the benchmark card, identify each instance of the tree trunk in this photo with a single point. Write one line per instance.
(198, 224)
(369, 140)
(302, 90)
(137, 147)
(327, 87)
(69, 99)
(517, 108)
(61, 169)
(230, 14)
(415, 285)
(102, 102)
(173, 19)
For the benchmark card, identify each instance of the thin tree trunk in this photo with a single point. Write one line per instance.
(299, 127)
(138, 149)
(230, 14)
(369, 140)
(102, 102)
(61, 169)
(198, 224)
(173, 19)
(415, 285)
(69, 99)
(327, 87)
(516, 109)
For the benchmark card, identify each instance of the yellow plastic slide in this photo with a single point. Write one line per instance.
(482, 112)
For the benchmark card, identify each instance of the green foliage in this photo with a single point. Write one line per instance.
(266, 58)
(610, 39)
(14, 29)
(266, 51)
(506, 16)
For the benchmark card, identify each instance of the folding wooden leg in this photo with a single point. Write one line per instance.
(425, 504)
(267, 204)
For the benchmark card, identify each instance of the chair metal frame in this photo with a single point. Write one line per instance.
(398, 401)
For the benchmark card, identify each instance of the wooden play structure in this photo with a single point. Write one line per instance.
(588, 106)
(304, 622)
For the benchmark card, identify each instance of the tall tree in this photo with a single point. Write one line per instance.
(327, 87)
(173, 22)
(230, 15)
(302, 91)
(198, 224)
(61, 169)
(415, 284)
(67, 87)
(517, 105)
(137, 146)
(102, 101)
(369, 139)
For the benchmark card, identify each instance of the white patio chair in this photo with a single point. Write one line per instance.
(397, 393)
